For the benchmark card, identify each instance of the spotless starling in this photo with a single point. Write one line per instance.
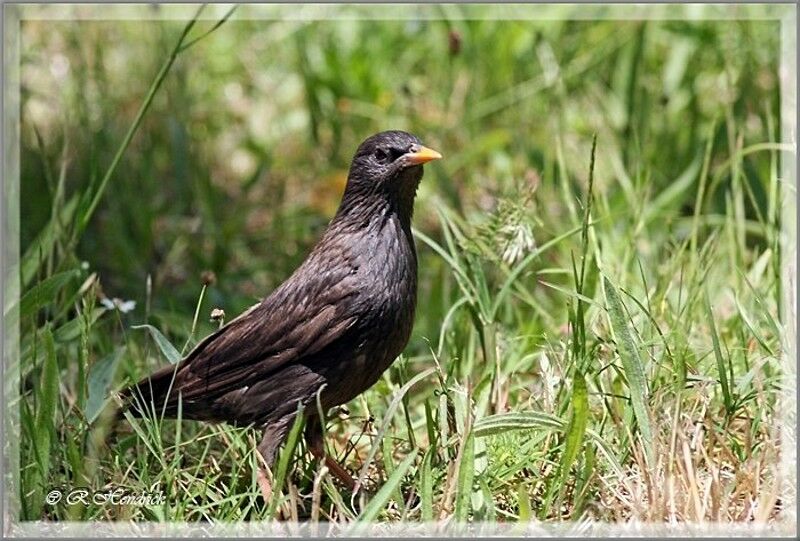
(332, 327)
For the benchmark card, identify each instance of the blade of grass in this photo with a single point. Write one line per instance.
(575, 433)
(47, 400)
(43, 243)
(631, 363)
(746, 319)
(701, 190)
(382, 497)
(673, 194)
(387, 418)
(45, 292)
(283, 462)
(101, 374)
(388, 465)
(426, 486)
(498, 424)
(506, 422)
(210, 30)
(190, 338)
(511, 279)
(466, 473)
(169, 351)
(524, 503)
(727, 398)
(83, 220)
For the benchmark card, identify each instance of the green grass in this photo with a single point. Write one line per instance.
(598, 332)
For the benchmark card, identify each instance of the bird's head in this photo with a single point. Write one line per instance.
(388, 165)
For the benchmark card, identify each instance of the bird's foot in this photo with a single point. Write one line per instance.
(265, 485)
(316, 445)
(334, 467)
(342, 474)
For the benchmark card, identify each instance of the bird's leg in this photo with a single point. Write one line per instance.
(264, 483)
(316, 444)
(335, 468)
(268, 448)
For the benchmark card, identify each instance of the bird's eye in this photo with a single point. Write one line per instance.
(381, 155)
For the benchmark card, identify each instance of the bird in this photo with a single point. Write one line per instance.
(330, 330)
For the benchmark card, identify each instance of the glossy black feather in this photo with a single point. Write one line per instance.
(338, 321)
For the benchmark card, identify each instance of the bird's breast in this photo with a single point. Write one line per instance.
(391, 270)
(385, 267)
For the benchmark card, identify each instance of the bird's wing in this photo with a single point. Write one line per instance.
(301, 318)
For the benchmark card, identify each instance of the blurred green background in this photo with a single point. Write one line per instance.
(243, 156)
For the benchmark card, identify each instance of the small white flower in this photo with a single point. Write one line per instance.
(118, 304)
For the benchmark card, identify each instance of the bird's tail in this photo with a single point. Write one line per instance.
(154, 396)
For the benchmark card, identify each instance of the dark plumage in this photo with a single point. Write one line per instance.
(339, 320)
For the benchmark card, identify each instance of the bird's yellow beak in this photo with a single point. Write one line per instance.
(422, 155)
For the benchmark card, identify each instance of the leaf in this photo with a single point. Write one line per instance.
(678, 59)
(43, 243)
(71, 330)
(169, 351)
(580, 492)
(575, 431)
(47, 396)
(524, 502)
(506, 422)
(382, 497)
(31, 507)
(497, 424)
(44, 292)
(466, 473)
(582, 299)
(388, 465)
(430, 425)
(489, 511)
(426, 486)
(101, 374)
(631, 364)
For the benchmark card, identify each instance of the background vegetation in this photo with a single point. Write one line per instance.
(588, 346)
